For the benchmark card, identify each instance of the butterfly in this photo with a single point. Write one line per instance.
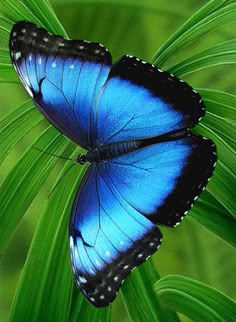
(146, 166)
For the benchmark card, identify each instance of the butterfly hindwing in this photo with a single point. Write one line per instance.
(161, 181)
(108, 238)
(64, 77)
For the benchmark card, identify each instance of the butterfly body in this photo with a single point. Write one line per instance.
(113, 150)
(146, 165)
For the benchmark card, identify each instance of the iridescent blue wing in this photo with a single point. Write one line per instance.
(108, 238)
(145, 102)
(64, 77)
(112, 225)
(162, 180)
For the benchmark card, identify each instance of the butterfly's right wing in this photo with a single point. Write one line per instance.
(64, 77)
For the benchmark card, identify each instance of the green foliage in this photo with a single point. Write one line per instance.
(195, 299)
(45, 290)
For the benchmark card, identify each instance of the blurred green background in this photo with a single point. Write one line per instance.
(190, 249)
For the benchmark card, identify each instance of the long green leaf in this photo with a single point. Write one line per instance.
(138, 288)
(25, 179)
(16, 125)
(210, 213)
(198, 26)
(46, 280)
(223, 53)
(134, 290)
(219, 103)
(198, 301)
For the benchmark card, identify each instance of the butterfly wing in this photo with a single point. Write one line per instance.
(161, 181)
(64, 77)
(145, 102)
(73, 84)
(112, 224)
(108, 238)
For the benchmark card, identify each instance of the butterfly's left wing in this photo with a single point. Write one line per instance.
(64, 77)
(112, 224)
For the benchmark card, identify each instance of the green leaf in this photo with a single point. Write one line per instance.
(214, 15)
(25, 179)
(196, 300)
(46, 16)
(219, 103)
(224, 177)
(138, 288)
(14, 126)
(223, 53)
(46, 280)
(88, 313)
(210, 213)
(7, 73)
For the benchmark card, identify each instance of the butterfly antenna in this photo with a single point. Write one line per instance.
(55, 155)
(56, 185)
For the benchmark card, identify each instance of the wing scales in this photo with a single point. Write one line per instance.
(102, 259)
(64, 77)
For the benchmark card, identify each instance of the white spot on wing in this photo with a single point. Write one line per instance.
(82, 280)
(54, 64)
(17, 55)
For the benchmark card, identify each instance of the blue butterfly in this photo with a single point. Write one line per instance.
(146, 166)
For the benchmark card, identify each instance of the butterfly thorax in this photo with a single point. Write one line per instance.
(109, 151)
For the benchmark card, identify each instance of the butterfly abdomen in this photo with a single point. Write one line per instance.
(112, 150)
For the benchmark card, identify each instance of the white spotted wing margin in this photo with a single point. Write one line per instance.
(108, 238)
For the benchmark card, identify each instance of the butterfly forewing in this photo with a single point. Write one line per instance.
(146, 102)
(64, 77)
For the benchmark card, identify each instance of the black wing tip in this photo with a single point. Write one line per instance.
(21, 25)
(24, 32)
